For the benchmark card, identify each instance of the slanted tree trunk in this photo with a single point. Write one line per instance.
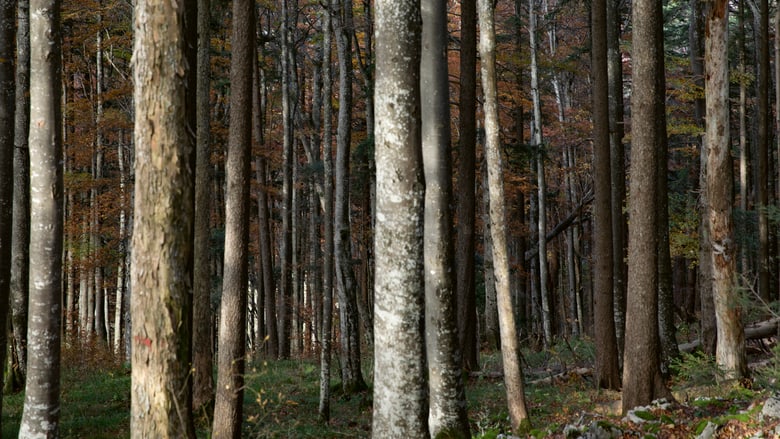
(21, 209)
(730, 347)
(447, 414)
(202, 339)
(228, 409)
(7, 124)
(603, 306)
(400, 374)
(162, 237)
(466, 202)
(510, 351)
(642, 380)
(40, 417)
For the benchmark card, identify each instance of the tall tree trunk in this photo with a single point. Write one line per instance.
(491, 306)
(642, 380)
(466, 203)
(7, 124)
(704, 281)
(617, 169)
(120, 269)
(743, 145)
(97, 177)
(536, 142)
(510, 350)
(762, 190)
(447, 413)
(730, 347)
(202, 339)
(327, 214)
(603, 306)
(228, 407)
(351, 373)
(400, 375)
(40, 417)
(21, 209)
(162, 238)
(667, 328)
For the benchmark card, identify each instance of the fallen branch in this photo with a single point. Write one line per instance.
(754, 331)
(563, 225)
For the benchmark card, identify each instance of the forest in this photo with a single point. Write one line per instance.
(418, 218)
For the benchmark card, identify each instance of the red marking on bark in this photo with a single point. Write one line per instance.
(146, 341)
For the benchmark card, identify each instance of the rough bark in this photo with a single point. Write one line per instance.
(228, 406)
(162, 237)
(642, 381)
(608, 373)
(730, 347)
(447, 414)
(762, 147)
(202, 340)
(466, 203)
(400, 373)
(40, 417)
(21, 209)
(510, 351)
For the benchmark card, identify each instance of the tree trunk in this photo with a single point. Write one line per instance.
(536, 142)
(762, 190)
(604, 315)
(228, 407)
(40, 417)
(202, 339)
(20, 267)
(351, 373)
(617, 169)
(510, 350)
(491, 306)
(730, 347)
(7, 124)
(466, 202)
(162, 238)
(447, 408)
(642, 380)
(400, 375)
(327, 215)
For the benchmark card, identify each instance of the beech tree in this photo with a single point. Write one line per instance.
(40, 418)
(400, 374)
(160, 305)
(510, 350)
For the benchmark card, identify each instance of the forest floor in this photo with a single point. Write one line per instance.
(281, 400)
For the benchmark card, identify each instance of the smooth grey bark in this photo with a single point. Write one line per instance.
(228, 408)
(536, 143)
(466, 183)
(607, 370)
(351, 373)
(202, 339)
(400, 371)
(7, 124)
(21, 209)
(285, 249)
(730, 345)
(510, 350)
(642, 380)
(447, 414)
(327, 215)
(161, 274)
(40, 418)
(120, 269)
